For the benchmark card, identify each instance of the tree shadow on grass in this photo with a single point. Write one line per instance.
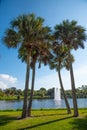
(79, 123)
(48, 115)
(45, 123)
(4, 119)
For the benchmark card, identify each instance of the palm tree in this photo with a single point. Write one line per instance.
(73, 36)
(33, 64)
(23, 56)
(39, 51)
(24, 31)
(58, 62)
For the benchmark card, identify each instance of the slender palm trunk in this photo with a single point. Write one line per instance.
(75, 106)
(65, 98)
(32, 90)
(24, 110)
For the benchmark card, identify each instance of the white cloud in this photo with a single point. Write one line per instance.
(2, 85)
(7, 81)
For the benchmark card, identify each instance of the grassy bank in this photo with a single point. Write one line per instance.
(10, 97)
(21, 97)
(53, 119)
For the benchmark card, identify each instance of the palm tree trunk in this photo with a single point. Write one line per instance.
(75, 106)
(32, 89)
(65, 98)
(24, 110)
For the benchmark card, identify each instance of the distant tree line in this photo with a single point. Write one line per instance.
(81, 92)
(42, 93)
(13, 93)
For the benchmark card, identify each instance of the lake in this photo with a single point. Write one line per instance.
(42, 103)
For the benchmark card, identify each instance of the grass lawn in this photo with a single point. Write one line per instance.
(45, 119)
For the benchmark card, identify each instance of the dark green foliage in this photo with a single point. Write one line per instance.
(81, 92)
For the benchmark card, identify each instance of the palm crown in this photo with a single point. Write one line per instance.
(71, 34)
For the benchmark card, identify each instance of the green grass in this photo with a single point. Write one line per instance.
(44, 119)
(10, 97)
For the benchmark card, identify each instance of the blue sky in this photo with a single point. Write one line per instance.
(12, 70)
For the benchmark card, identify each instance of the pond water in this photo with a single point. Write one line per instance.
(42, 103)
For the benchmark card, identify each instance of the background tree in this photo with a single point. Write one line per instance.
(50, 92)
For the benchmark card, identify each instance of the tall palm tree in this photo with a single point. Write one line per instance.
(23, 56)
(24, 31)
(39, 51)
(73, 36)
(41, 40)
(33, 64)
(58, 62)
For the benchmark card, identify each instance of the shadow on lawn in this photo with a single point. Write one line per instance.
(45, 123)
(48, 115)
(4, 119)
(79, 123)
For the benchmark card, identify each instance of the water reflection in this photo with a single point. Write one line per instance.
(45, 103)
(57, 103)
(12, 104)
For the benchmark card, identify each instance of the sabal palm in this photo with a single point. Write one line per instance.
(73, 36)
(25, 31)
(58, 62)
(34, 54)
(23, 56)
(41, 55)
(38, 49)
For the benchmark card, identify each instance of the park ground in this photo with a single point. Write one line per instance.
(43, 119)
